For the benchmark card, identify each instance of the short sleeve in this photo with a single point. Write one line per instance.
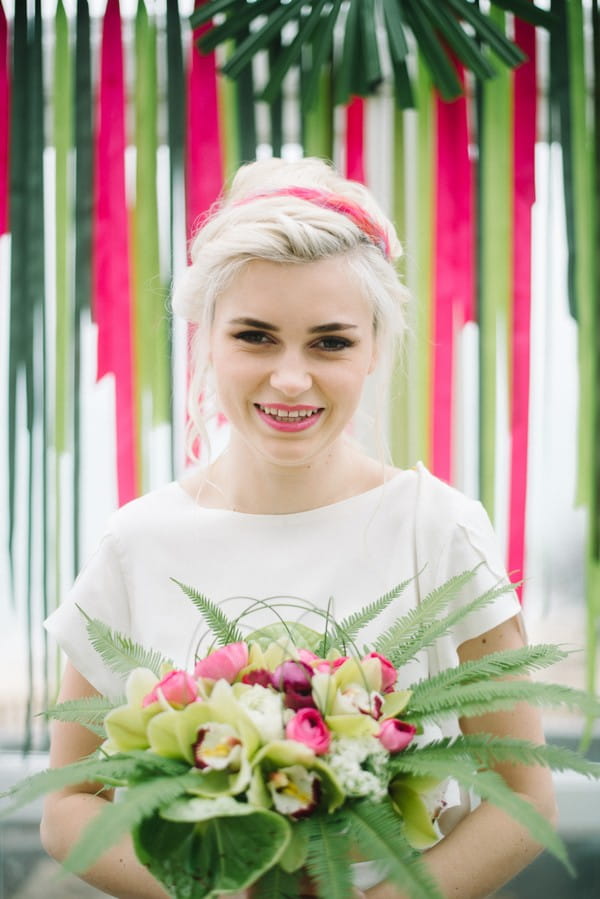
(101, 592)
(457, 536)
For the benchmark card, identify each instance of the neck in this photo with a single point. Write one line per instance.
(258, 486)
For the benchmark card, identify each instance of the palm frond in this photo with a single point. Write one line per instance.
(428, 634)
(327, 858)
(426, 612)
(120, 653)
(497, 664)
(377, 830)
(224, 630)
(467, 700)
(89, 711)
(487, 750)
(120, 818)
(439, 28)
(491, 786)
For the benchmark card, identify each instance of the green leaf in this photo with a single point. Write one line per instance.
(394, 23)
(295, 632)
(496, 664)
(378, 832)
(89, 711)
(120, 653)
(224, 630)
(120, 818)
(373, 74)
(295, 852)
(220, 855)
(277, 883)
(327, 860)
(292, 53)
(464, 46)
(491, 786)
(527, 11)
(114, 770)
(206, 12)
(488, 32)
(349, 628)
(432, 632)
(487, 750)
(258, 40)
(467, 700)
(426, 612)
(441, 68)
(236, 24)
(321, 49)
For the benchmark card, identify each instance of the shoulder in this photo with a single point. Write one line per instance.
(153, 512)
(443, 507)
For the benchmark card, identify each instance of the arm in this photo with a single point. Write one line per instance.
(66, 813)
(488, 847)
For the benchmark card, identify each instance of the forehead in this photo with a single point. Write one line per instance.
(309, 291)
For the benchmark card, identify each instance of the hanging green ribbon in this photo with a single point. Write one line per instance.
(495, 174)
(399, 416)
(420, 361)
(82, 119)
(151, 327)
(63, 371)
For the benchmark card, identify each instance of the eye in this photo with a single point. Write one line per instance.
(333, 344)
(254, 337)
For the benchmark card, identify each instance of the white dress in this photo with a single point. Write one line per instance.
(414, 526)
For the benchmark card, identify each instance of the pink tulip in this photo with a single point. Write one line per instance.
(326, 666)
(294, 680)
(260, 676)
(306, 656)
(389, 675)
(308, 727)
(178, 688)
(395, 735)
(225, 663)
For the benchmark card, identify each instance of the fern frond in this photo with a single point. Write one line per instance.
(496, 664)
(377, 829)
(490, 696)
(487, 750)
(328, 857)
(89, 711)
(427, 611)
(278, 884)
(109, 770)
(224, 630)
(429, 633)
(350, 627)
(120, 653)
(491, 786)
(120, 818)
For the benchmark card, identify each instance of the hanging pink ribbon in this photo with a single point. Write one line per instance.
(111, 274)
(355, 139)
(454, 268)
(204, 163)
(4, 121)
(525, 100)
(204, 157)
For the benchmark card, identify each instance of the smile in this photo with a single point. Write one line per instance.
(287, 418)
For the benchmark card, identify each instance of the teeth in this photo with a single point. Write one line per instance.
(288, 416)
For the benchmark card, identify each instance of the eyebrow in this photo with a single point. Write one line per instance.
(317, 329)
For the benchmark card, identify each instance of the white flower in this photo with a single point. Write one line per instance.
(264, 707)
(346, 758)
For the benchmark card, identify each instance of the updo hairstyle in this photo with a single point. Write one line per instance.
(252, 222)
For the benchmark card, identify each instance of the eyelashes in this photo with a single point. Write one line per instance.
(329, 344)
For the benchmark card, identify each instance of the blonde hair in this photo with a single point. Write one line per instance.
(258, 219)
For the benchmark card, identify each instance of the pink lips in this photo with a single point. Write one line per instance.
(301, 423)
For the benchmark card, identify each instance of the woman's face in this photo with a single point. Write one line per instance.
(291, 346)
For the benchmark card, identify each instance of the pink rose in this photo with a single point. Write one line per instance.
(395, 735)
(225, 663)
(308, 727)
(178, 688)
(389, 675)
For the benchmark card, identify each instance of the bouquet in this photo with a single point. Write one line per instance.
(286, 748)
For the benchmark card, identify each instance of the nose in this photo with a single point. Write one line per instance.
(290, 376)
